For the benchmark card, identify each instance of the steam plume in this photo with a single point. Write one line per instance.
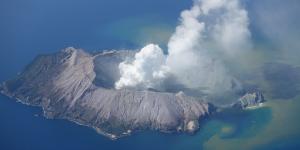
(208, 33)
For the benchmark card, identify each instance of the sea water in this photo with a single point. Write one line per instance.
(33, 27)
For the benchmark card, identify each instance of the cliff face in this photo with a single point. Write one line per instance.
(250, 100)
(78, 86)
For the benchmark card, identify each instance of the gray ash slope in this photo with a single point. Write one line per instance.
(75, 85)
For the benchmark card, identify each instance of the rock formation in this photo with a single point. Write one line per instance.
(250, 100)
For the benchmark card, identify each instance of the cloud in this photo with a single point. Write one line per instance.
(209, 33)
(280, 31)
(145, 71)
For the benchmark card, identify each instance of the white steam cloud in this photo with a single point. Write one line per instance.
(146, 70)
(209, 32)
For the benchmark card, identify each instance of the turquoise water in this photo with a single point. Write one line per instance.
(33, 27)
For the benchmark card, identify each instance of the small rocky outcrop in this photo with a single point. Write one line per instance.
(250, 100)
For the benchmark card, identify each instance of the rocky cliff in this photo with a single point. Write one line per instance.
(252, 99)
